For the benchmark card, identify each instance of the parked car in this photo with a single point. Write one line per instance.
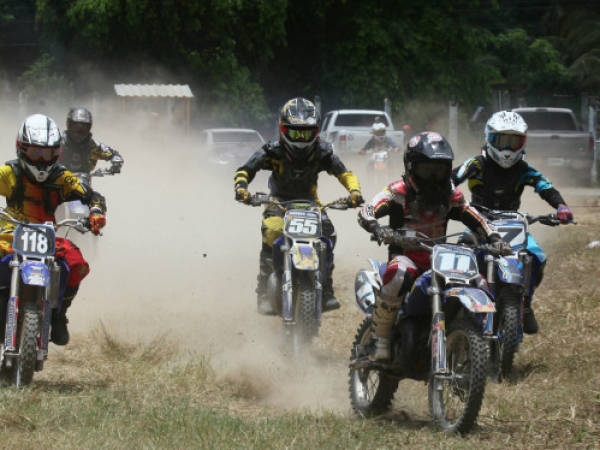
(230, 146)
(556, 144)
(350, 129)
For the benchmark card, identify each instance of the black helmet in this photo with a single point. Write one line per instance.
(298, 128)
(428, 165)
(79, 123)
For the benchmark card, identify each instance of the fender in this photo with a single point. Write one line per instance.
(304, 257)
(34, 273)
(510, 270)
(474, 299)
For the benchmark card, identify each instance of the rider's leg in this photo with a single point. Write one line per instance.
(272, 227)
(329, 301)
(399, 275)
(530, 325)
(78, 270)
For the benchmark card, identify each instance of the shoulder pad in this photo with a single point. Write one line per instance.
(398, 187)
(272, 147)
(456, 197)
(325, 148)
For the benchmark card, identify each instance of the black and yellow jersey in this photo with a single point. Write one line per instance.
(35, 202)
(83, 156)
(293, 179)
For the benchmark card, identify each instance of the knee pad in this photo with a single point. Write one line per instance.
(272, 228)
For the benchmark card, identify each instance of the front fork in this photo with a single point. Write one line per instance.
(287, 286)
(438, 330)
(12, 309)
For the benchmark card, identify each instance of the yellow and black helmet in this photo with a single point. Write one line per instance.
(299, 123)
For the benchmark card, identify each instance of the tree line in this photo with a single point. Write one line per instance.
(243, 58)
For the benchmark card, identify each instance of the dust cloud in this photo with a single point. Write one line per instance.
(179, 258)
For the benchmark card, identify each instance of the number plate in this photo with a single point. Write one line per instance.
(34, 240)
(511, 232)
(454, 262)
(300, 223)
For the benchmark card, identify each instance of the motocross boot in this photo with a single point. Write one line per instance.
(530, 325)
(329, 301)
(263, 305)
(59, 333)
(384, 316)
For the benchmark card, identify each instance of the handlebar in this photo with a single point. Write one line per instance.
(260, 198)
(81, 225)
(551, 220)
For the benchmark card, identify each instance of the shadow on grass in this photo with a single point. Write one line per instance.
(522, 372)
(405, 420)
(69, 386)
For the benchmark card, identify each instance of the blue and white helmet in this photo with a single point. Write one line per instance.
(505, 136)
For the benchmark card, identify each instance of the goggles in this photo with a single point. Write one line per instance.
(432, 170)
(503, 141)
(37, 154)
(79, 127)
(299, 135)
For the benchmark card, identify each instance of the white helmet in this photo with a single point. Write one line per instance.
(505, 136)
(38, 146)
(378, 129)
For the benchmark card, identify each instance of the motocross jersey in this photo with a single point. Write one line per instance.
(27, 200)
(83, 156)
(292, 180)
(399, 202)
(497, 188)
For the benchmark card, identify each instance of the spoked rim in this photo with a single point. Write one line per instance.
(454, 390)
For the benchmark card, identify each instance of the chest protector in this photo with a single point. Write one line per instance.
(76, 156)
(500, 188)
(37, 201)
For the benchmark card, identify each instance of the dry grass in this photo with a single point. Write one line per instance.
(102, 392)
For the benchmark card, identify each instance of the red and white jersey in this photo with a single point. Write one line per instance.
(399, 202)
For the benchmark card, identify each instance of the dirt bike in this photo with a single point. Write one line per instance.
(510, 278)
(35, 286)
(300, 259)
(453, 360)
(380, 164)
(75, 209)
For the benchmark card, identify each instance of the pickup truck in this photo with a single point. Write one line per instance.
(557, 145)
(350, 129)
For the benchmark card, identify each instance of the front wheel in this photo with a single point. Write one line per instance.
(306, 313)
(371, 391)
(455, 398)
(508, 331)
(24, 364)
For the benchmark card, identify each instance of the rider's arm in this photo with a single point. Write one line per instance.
(368, 146)
(462, 211)
(542, 186)
(334, 166)
(8, 181)
(376, 208)
(471, 169)
(246, 173)
(74, 189)
(100, 151)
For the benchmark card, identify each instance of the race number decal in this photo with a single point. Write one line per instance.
(34, 240)
(515, 235)
(302, 223)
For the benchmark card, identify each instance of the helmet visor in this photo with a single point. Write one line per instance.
(503, 141)
(37, 154)
(435, 171)
(299, 134)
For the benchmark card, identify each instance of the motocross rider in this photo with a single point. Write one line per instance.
(295, 161)
(379, 140)
(81, 152)
(33, 185)
(422, 200)
(496, 179)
